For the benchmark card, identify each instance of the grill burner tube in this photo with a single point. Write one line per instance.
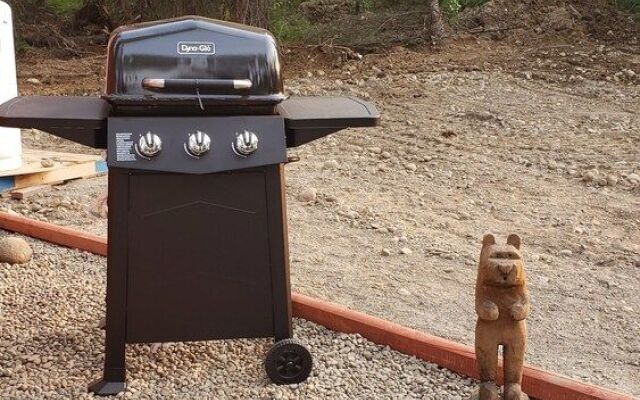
(205, 86)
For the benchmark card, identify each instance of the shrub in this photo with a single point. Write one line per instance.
(65, 7)
(453, 7)
(629, 5)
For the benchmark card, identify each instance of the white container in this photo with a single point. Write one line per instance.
(10, 143)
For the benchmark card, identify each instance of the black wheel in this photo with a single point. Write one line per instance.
(288, 362)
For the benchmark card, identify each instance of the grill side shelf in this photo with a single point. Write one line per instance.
(310, 118)
(79, 119)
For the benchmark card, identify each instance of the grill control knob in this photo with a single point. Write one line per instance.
(246, 143)
(149, 144)
(198, 144)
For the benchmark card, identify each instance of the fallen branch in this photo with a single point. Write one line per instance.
(328, 49)
(494, 29)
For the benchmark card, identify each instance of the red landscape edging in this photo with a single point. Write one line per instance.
(53, 233)
(456, 357)
(537, 383)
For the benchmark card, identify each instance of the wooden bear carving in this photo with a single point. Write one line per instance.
(502, 304)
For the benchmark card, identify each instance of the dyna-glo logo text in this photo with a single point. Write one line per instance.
(196, 48)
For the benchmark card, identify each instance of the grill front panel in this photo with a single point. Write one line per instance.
(198, 260)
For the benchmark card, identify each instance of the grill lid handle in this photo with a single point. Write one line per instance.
(198, 85)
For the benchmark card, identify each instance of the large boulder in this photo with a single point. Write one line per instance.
(14, 250)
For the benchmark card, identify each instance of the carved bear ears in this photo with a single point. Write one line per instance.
(488, 240)
(513, 240)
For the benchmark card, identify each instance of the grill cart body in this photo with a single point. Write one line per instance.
(196, 128)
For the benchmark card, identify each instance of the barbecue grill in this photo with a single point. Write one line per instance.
(196, 127)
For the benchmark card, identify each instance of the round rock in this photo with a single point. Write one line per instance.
(411, 167)
(308, 195)
(331, 164)
(15, 250)
(406, 250)
(589, 176)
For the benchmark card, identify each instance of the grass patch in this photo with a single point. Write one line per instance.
(21, 46)
(65, 7)
(286, 22)
(629, 5)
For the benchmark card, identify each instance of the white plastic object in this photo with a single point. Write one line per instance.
(10, 142)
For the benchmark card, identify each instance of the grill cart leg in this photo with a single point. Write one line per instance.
(114, 375)
(288, 361)
(104, 388)
(279, 252)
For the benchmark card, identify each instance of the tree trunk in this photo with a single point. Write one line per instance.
(125, 8)
(437, 22)
(252, 12)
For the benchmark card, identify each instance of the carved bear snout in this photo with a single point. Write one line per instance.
(503, 268)
(506, 268)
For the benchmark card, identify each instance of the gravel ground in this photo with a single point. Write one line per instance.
(52, 348)
(399, 211)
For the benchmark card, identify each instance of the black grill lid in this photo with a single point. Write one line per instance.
(194, 62)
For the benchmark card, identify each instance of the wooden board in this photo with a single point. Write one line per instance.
(21, 194)
(84, 170)
(66, 166)
(32, 161)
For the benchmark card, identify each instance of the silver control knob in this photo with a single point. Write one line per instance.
(246, 143)
(149, 144)
(198, 144)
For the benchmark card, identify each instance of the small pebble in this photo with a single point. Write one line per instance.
(634, 178)
(331, 198)
(589, 176)
(565, 252)
(47, 163)
(308, 195)
(612, 180)
(331, 164)
(406, 250)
